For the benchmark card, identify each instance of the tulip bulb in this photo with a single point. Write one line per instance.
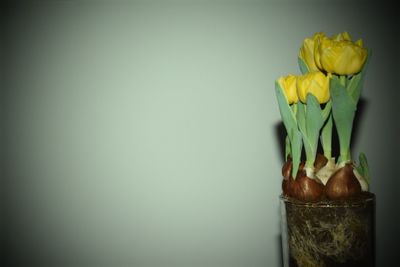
(287, 169)
(320, 161)
(287, 186)
(308, 189)
(342, 184)
(293, 187)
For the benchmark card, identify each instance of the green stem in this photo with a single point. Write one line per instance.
(310, 122)
(311, 152)
(345, 154)
(343, 80)
(310, 163)
(326, 137)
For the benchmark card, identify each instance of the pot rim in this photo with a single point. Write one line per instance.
(368, 199)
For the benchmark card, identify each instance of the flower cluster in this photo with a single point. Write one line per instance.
(338, 55)
(321, 57)
(325, 94)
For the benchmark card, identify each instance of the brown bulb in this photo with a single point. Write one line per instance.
(285, 187)
(287, 169)
(292, 187)
(286, 173)
(302, 188)
(342, 184)
(301, 168)
(320, 161)
(308, 189)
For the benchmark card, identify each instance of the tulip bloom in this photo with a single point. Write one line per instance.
(315, 83)
(288, 84)
(339, 54)
(306, 52)
(344, 36)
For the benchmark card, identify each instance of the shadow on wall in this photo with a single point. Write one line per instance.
(280, 250)
(280, 134)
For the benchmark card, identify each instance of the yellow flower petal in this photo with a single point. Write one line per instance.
(360, 43)
(339, 54)
(306, 52)
(288, 84)
(315, 83)
(344, 36)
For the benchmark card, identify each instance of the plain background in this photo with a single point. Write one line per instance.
(146, 133)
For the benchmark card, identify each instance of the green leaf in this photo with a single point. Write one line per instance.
(309, 149)
(301, 117)
(343, 110)
(327, 110)
(314, 123)
(363, 168)
(288, 118)
(326, 137)
(303, 66)
(326, 133)
(296, 151)
(356, 82)
(294, 109)
(301, 123)
(314, 119)
(354, 86)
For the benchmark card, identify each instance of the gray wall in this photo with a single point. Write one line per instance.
(146, 134)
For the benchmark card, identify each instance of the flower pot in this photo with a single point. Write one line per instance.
(328, 233)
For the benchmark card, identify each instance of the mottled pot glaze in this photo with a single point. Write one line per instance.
(329, 233)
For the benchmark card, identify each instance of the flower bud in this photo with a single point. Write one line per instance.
(339, 54)
(306, 52)
(315, 83)
(288, 84)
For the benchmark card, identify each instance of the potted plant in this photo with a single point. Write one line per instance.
(328, 212)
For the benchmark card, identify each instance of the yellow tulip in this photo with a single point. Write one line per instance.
(339, 54)
(317, 55)
(306, 52)
(344, 36)
(288, 84)
(315, 83)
